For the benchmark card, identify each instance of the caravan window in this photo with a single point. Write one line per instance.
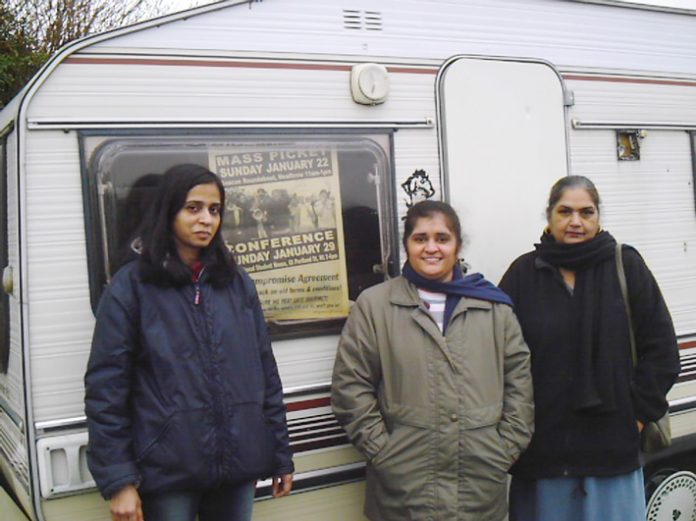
(304, 215)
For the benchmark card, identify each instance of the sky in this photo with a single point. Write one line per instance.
(179, 5)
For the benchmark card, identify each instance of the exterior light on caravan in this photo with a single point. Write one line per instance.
(628, 144)
(369, 83)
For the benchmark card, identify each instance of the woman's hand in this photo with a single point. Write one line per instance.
(281, 485)
(640, 425)
(126, 505)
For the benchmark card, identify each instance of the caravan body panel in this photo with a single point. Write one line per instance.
(648, 203)
(565, 33)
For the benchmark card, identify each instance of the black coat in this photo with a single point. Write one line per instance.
(179, 395)
(567, 441)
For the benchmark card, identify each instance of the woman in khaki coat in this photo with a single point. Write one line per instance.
(432, 383)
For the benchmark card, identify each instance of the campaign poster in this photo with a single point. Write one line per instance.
(283, 224)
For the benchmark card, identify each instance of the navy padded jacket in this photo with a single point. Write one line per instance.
(179, 395)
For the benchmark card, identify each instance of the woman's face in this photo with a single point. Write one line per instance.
(433, 248)
(575, 218)
(197, 222)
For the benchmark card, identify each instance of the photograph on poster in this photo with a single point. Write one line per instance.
(283, 224)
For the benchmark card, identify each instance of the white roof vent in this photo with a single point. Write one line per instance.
(362, 20)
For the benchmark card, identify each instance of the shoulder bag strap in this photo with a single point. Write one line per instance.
(624, 292)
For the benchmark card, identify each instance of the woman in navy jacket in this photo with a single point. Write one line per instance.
(183, 399)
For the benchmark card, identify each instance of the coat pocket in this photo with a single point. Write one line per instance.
(254, 454)
(179, 453)
(486, 460)
(402, 467)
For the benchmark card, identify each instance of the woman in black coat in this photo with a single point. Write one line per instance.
(590, 402)
(183, 400)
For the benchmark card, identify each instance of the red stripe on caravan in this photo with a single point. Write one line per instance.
(408, 70)
(178, 62)
(687, 345)
(205, 63)
(617, 79)
(309, 404)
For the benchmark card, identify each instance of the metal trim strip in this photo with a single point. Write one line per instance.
(66, 125)
(629, 125)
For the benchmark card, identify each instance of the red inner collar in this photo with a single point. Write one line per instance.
(197, 269)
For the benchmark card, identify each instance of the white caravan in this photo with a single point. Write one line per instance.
(359, 105)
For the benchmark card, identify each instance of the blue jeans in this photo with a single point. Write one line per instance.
(228, 503)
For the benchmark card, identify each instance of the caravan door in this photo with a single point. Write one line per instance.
(503, 141)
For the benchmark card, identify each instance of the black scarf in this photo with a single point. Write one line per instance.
(594, 310)
(474, 286)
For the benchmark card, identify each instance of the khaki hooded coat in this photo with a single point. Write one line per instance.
(439, 419)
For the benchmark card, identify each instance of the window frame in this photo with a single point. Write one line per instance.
(692, 135)
(97, 232)
(4, 258)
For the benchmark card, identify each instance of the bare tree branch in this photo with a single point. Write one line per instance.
(57, 22)
(32, 30)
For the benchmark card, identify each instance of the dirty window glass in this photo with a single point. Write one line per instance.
(304, 215)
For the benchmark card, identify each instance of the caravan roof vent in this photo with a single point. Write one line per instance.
(373, 20)
(352, 19)
(362, 20)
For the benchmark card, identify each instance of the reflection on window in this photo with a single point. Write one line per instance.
(301, 214)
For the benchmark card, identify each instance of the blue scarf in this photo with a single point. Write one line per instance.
(473, 286)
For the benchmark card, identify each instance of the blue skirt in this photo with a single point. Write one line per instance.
(614, 498)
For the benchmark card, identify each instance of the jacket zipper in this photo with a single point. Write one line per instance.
(210, 369)
(197, 287)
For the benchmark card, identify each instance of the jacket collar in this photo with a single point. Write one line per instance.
(404, 293)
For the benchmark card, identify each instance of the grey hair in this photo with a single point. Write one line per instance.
(570, 182)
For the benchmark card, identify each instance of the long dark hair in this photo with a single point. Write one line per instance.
(160, 262)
